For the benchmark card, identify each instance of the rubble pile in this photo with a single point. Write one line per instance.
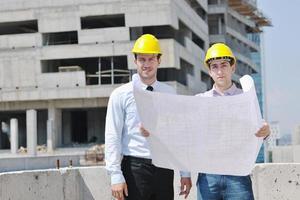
(95, 155)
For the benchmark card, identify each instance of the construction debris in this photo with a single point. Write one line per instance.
(94, 155)
(40, 148)
(22, 150)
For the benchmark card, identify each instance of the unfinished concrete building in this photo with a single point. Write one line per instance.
(238, 23)
(60, 60)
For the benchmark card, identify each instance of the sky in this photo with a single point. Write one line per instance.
(282, 66)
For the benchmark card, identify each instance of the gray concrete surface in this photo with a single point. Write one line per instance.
(31, 131)
(270, 182)
(14, 138)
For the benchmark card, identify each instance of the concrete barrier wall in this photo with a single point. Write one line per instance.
(277, 181)
(19, 163)
(270, 182)
(64, 184)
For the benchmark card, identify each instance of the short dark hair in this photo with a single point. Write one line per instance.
(158, 56)
(229, 59)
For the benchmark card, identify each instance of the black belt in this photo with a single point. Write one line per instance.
(137, 159)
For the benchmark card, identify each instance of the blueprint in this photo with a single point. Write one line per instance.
(202, 134)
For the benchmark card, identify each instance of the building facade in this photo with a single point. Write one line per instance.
(289, 151)
(62, 59)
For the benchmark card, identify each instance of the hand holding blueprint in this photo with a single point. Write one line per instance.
(202, 134)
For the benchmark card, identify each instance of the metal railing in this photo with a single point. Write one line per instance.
(111, 73)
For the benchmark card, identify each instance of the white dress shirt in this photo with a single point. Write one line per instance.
(122, 129)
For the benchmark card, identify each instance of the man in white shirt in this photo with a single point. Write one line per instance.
(127, 154)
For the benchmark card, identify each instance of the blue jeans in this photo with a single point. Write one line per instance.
(224, 187)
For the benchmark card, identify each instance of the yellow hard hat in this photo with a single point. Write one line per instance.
(219, 51)
(147, 43)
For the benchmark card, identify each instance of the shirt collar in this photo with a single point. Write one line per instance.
(136, 77)
(230, 91)
(154, 85)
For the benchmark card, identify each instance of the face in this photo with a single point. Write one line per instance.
(147, 65)
(221, 72)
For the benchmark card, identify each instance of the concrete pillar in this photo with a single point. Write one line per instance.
(54, 128)
(31, 131)
(50, 136)
(220, 26)
(14, 136)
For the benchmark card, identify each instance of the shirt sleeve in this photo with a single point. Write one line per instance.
(113, 138)
(185, 174)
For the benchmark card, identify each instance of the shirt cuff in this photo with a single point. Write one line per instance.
(117, 178)
(185, 174)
